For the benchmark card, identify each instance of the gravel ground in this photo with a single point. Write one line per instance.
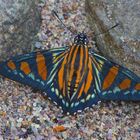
(26, 115)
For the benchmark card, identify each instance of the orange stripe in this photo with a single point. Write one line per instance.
(137, 87)
(61, 73)
(11, 65)
(89, 77)
(64, 91)
(110, 77)
(25, 67)
(60, 77)
(41, 66)
(81, 90)
(86, 56)
(125, 84)
(80, 65)
(70, 53)
(72, 65)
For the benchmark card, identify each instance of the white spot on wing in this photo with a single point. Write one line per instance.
(104, 93)
(55, 103)
(88, 97)
(116, 90)
(134, 91)
(57, 92)
(127, 92)
(52, 89)
(93, 95)
(109, 91)
(83, 100)
(76, 104)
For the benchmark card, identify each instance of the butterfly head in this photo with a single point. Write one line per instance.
(81, 39)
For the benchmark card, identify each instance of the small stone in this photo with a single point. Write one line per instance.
(59, 128)
(18, 124)
(34, 128)
(74, 6)
(65, 9)
(66, 16)
(38, 45)
(29, 131)
(54, 138)
(20, 120)
(65, 135)
(23, 135)
(35, 120)
(39, 137)
(35, 104)
(109, 134)
(7, 131)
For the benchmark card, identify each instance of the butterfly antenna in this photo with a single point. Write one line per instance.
(108, 29)
(58, 18)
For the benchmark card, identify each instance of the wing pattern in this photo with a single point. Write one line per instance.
(33, 69)
(74, 78)
(72, 86)
(117, 82)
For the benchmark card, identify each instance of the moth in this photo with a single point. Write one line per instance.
(74, 77)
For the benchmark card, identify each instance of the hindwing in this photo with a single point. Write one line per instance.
(117, 82)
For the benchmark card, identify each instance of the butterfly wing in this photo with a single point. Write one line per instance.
(48, 71)
(54, 83)
(74, 82)
(87, 94)
(116, 82)
(35, 69)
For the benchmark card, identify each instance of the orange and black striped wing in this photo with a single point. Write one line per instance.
(116, 82)
(75, 81)
(86, 94)
(35, 69)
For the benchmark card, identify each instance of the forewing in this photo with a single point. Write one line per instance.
(35, 69)
(116, 82)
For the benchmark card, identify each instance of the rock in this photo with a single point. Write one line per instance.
(19, 23)
(122, 43)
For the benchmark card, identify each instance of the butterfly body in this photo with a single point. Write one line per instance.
(73, 77)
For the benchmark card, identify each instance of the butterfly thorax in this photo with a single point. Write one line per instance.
(81, 39)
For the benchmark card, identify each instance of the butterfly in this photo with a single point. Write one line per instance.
(74, 77)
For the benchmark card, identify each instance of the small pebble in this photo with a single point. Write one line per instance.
(54, 138)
